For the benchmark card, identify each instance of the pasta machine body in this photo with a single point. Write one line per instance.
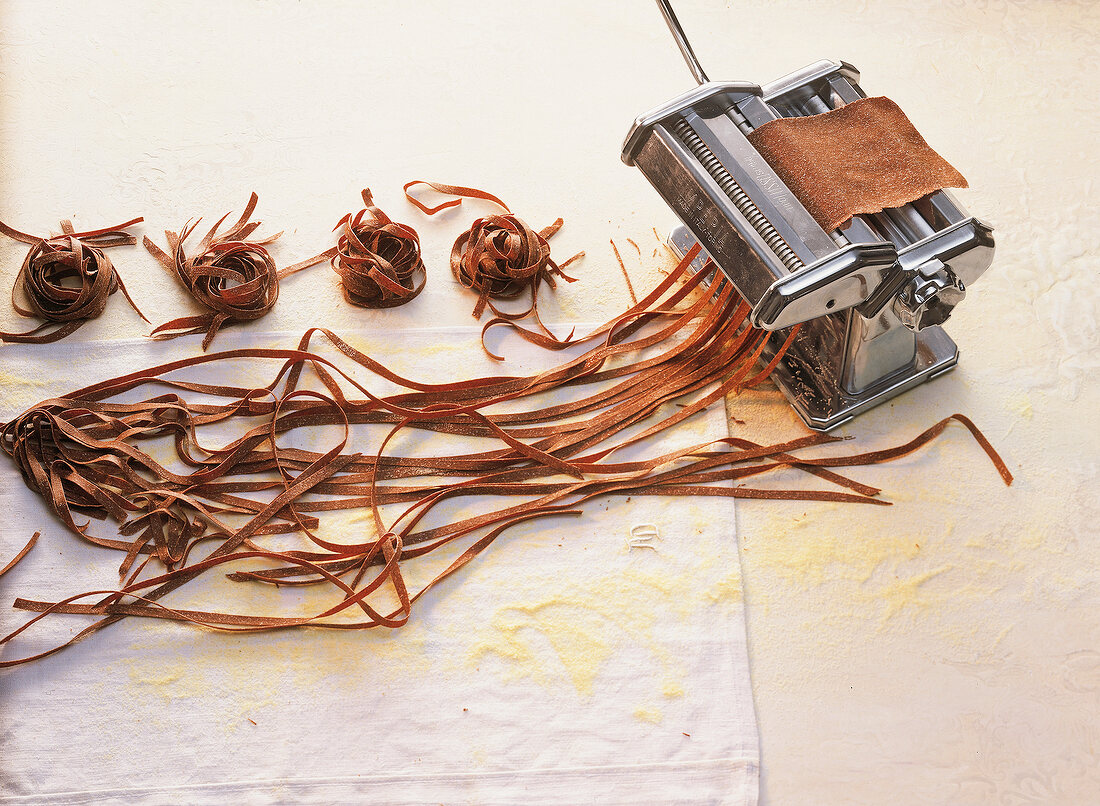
(870, 297)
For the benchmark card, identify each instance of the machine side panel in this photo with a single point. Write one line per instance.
(708, 213)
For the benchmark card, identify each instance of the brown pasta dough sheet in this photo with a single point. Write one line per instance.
(860, 158)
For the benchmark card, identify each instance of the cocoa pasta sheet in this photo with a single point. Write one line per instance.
(859, 158)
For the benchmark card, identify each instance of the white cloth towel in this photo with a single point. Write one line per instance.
(599, 659)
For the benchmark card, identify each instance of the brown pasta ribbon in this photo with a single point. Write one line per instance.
(66, 279)
(667, 358)
(23, 552)
(378, 260)
(230, 274)
(499, 256)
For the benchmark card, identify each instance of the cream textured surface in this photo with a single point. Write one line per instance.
(946, 650)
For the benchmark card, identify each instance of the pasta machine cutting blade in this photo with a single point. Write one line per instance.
(871, 297)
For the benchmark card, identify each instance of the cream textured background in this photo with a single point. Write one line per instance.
(945, 650)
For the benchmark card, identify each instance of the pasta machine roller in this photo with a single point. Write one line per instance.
(871, 296)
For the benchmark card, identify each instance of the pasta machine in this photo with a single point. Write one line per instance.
(871, 296)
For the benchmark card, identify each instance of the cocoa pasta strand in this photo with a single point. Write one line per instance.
(23, 552)
(537, 459)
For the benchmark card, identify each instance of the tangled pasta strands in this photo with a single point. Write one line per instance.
(500, 256)
(378, 260)
(231, 275)
(66, 279)
(83, 453)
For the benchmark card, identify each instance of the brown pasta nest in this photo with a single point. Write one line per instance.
(378, 259)
(66, 279)
(229, 273)
(499, 256)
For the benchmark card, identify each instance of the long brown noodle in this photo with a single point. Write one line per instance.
(663, 361)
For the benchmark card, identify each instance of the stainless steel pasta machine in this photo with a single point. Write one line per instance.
(871, 296)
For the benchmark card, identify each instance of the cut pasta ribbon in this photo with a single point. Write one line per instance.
(666, 359)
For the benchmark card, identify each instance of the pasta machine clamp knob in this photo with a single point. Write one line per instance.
(928, 299)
